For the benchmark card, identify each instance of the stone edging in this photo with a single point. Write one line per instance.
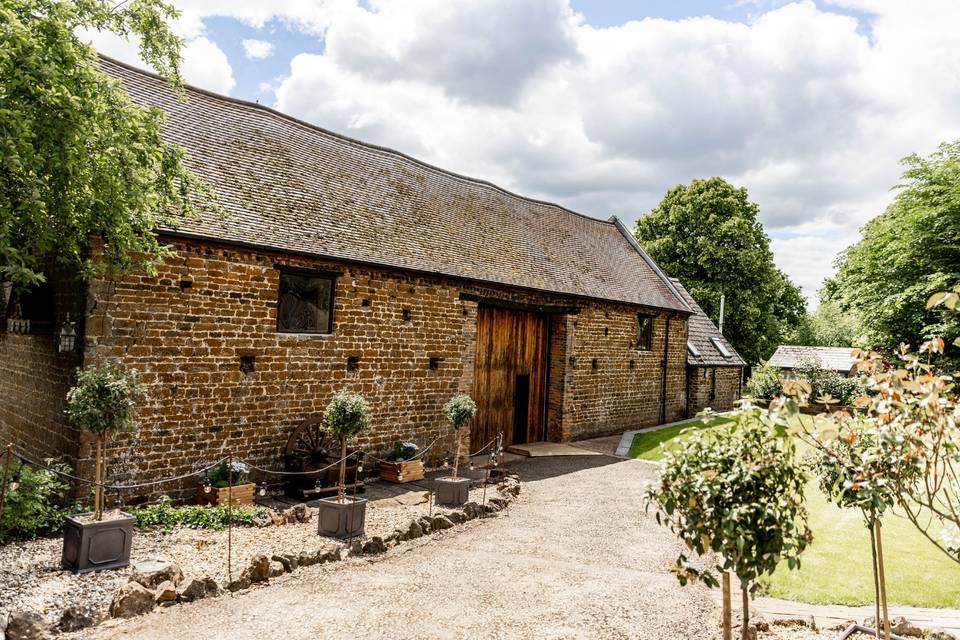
(163, 584)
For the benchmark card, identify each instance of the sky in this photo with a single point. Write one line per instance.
(603, 105)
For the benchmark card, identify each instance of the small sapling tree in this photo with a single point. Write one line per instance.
(735, 491)
(104, 401)
(459, 410)
(347, 417)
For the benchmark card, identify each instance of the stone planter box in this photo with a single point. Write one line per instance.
(94, 546)
(341, 519)
(402, 471)
(239, 494)
(452, 492)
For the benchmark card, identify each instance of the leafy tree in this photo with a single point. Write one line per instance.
(829, 326)
(907, 253)
(347, 417)
(460, 410)
(81, 161)
(735, 491)
(707, 234)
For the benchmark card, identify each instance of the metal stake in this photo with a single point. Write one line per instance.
(6, 472)
(229, 517)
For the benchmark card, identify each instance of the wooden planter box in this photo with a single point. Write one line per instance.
(392, 471)
(239, 494)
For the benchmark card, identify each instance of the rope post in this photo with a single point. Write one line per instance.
(6, 473)
(230, 517)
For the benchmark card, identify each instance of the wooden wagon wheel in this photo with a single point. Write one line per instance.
(309, 440)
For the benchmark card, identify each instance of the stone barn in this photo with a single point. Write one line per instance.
(336, 264)
(714, 368)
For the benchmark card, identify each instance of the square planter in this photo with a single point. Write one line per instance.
(341, 519)
(452, 492)
(402, 471)
(93, 546)
(239, 494)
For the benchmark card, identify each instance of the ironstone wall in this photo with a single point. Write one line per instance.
(721, 396)
(186, 329)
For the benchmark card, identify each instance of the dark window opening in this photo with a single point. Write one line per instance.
(186, 284)
(632, 364)
(364, 303)
(644, 333)
(435, 363)
(248, 364)
(353, 363)
(606, 331)
(594, 364)
(406, 315)
(305, 304)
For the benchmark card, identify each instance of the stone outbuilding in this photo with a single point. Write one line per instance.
(714, 368)
(336, 264)
(789, 358)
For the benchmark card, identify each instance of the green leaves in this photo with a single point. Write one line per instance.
(87, 176)
(707, 235)
(735, 491)
(105, 398)
(347, 415)
(460, 410)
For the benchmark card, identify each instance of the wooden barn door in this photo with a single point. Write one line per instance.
(510, 376)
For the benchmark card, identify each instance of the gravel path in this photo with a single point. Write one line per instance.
(574, 557)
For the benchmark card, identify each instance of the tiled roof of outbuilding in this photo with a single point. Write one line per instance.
(291, 186)
(701, 334)
(834, 358)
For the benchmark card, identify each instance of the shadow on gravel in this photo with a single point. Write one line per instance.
(530, 469)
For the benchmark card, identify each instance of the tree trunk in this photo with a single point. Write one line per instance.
(727, 613)
(342, 491)
(876, 578)
(745, 626)
(98, 475)
(456, 455)
(883, 581)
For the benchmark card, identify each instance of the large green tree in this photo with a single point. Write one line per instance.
(707, 234)
(83, 166)
(907, 253)
(829, 326)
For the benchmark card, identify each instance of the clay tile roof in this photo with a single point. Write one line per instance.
(291, 186)
(703, 336)
(834, 358)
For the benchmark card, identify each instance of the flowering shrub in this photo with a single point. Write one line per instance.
(460, 410)
(105, 399)
(765, 382)
(347, 416)
(220, 475)
(403, 451)
(34, 503)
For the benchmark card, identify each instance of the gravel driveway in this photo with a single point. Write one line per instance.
(574, 557)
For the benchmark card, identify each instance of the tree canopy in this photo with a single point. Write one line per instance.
(829, 326)
(907, 253)
(86, 176)
(707, 234)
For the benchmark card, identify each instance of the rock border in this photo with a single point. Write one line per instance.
(157, 583)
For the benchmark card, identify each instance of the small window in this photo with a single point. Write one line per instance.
(305, 303)
(644, 333)
(722, 348)
(692, 348)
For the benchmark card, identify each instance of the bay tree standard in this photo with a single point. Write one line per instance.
(454, 490)
(347, 417)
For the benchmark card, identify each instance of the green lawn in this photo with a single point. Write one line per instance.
(836, 567)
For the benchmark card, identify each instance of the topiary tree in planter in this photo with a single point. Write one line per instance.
(459, 410)
(736, 492)
(103, 401)
(347, 417)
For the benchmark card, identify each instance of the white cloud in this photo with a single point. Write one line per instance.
(257, 49)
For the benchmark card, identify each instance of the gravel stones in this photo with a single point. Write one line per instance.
(76, 617)
(166, 593)
(132, 600)
(151, 573)
(259, 569)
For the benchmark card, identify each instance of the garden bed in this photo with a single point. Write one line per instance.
(31, 578)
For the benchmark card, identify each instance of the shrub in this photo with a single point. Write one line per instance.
(403, 451)
(219, 476)
(460, 410)
(104, 400)
(765, 382)
(735, 493)
(347, 416)
(164, 514)
(34, 503)
(826, 383)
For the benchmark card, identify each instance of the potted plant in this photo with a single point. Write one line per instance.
(454, 490)
(347, 416)
(227, 478)
(104, 400)
(402, 464)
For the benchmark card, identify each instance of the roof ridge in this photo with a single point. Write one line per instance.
(356, 141)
